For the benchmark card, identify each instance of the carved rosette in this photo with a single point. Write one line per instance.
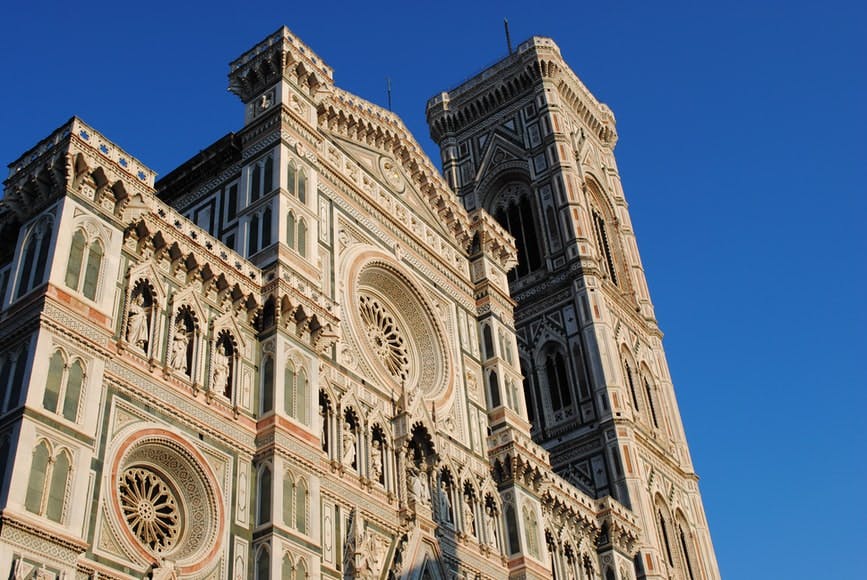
(395, 329)
(165, 500)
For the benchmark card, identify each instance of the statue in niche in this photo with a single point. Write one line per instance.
(469, 517)
(444, 503)
(376, 461)
(419, 487)
(138, 326)
(349, 450)
(491, 527)
(180, 342)
(221, 370)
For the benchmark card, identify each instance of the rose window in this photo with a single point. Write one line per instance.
(384, 337)
(150, 509)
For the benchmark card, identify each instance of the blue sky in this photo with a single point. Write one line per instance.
(743, 154)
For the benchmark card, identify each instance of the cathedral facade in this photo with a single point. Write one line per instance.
(307, 353)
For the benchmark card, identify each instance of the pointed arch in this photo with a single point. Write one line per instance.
(60, 471)
(263, 494)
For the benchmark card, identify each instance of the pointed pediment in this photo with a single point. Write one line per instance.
(499, 151)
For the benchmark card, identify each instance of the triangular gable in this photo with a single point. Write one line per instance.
(499, 151)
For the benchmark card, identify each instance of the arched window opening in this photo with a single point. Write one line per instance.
(266, 227)
(627, 370)
(255, 182)
(253, 235)
(604, 246)
(302, 186)
(38, 474)
(64, 383)
(267, 387)
(289, 378)
(650, 404)
(19, 363)
(529, 399)
(302, 238)
(35, 251)
(488, 341)
(493, 390)
(263, 496)
(558, 381)
(685, 550)
(512, 529)
(290, 178)
(288, 499)
(301, 506)
(268, 175)
(516, 216)
(532, 528)
(86, 255)
(290, 230)
(57, 487)
(663, 530)
(301, 570)
(287, 570)
(263, 564)
(301, 398)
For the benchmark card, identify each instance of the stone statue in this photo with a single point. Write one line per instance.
(491, 527)
(178, 359)
(221, 371)
(371, 554)
(138, 327)
(419, 487)
(469, 518)
(349, 451)
(444, 503)
(376, 461)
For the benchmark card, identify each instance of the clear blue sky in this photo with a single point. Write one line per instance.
(743, 154)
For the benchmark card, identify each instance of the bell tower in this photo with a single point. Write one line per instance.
(526, 141)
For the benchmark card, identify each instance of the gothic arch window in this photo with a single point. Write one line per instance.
(64, 386)
(531, 525)
(266, 227)
(296, 182)
(301, 570)
(253, 235)
(224, 364)
(662, 526)
(291, 227)
(629, 376)
(263, 494)
(488, 341)
(296, 389)
(35, 249)
(302, 238)
(287, 568)
(557, 375)
(266, 393)
(515, 213)
(529, 395)
(512, 529)
(141, 317)
(261, 178)
(685, 543)
(296, 501)
(494, 399)
(184, 343)
(263, 563)
(85, 263)
(604, 228)
(49, 478)
(649, 392)
(12, 368)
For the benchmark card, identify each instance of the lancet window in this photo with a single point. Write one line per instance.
(296, 388)
(12, 367)
(295, 501)
(64, 387)
(37, 244)
(50, 473)
(85, 263)
(515, 213)
(296, 182)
